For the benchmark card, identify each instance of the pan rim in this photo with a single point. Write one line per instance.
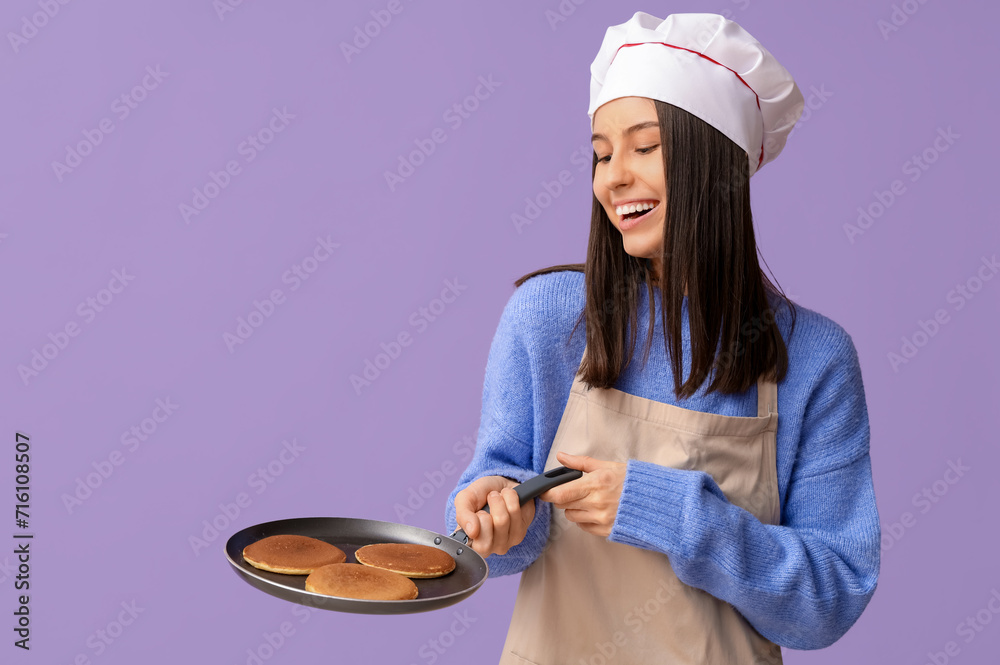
(244, 570)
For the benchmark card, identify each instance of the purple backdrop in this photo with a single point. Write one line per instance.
(216, 213)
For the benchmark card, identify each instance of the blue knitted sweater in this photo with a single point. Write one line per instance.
(802, 584)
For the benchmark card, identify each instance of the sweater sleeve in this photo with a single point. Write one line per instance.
(802, 584)
(504, 443)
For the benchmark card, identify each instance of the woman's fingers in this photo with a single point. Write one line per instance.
(595, 523)
(504, 526)
(501, 522)
(483, 543)
(472, 499)
(515, 527)
(506, 523)
(527, 516)
(467, 503)
(492, 532)
(465, 512)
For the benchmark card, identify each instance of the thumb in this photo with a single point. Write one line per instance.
(582, 462)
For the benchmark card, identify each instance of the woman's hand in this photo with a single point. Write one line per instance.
(591, 502)
(504, 526)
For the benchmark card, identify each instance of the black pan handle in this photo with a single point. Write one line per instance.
(531, 488)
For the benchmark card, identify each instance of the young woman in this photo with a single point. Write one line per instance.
(701, 531)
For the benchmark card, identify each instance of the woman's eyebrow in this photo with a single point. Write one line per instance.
(630, 130)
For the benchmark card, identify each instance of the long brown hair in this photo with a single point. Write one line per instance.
(709, 246)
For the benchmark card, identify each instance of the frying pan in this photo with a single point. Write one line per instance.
(349, 534)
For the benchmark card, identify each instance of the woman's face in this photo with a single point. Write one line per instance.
(630, 171)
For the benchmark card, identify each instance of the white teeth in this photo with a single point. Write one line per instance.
(628, 209)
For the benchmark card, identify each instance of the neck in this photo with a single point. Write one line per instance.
(654, 277)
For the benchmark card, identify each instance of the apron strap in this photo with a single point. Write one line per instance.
(767, 392)
(767, 397)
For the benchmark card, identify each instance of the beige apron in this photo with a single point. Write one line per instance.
(589, 601)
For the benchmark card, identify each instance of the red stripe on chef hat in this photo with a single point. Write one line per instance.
(702, 55)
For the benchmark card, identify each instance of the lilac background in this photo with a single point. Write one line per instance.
(323, 176)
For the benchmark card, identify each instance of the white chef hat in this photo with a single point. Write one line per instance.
(706, 65)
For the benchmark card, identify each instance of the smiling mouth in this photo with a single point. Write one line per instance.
(634, 215)
(631, 219)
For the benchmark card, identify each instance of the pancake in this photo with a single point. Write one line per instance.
(407, 559)
(292, 555)
(352, 580)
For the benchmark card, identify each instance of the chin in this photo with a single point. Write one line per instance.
(640, 250)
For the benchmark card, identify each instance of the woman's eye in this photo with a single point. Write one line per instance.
(642, 151)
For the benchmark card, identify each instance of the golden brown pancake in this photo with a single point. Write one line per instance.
(352, 580)
(292, 555)
(407, 559)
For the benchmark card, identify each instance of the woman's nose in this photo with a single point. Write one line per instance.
(617, 172)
